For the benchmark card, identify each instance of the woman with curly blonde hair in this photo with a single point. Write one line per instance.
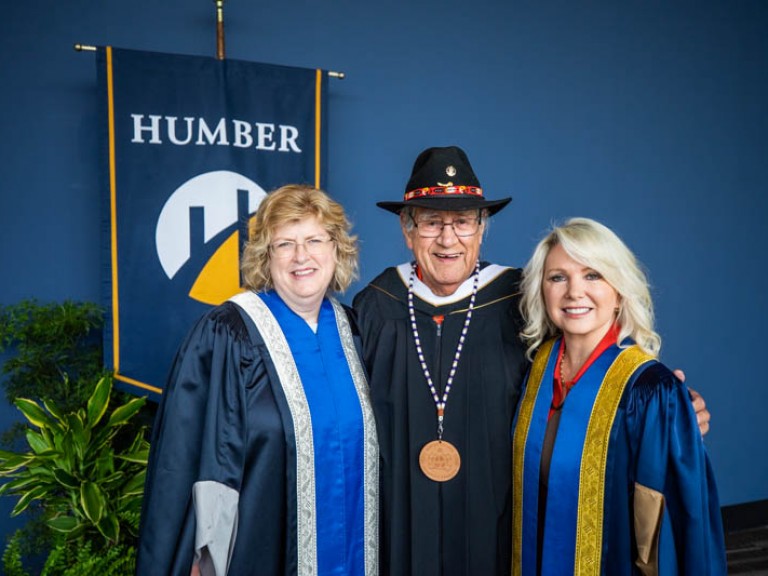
(264, 458)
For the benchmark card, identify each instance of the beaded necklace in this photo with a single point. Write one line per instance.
(439, 460)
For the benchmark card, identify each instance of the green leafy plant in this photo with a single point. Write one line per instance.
(65, 560)
(87, 489)
(12, 557)
(57, 350)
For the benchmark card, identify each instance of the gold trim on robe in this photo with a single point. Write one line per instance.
(589, 532)
(592, 474)
(527, 402)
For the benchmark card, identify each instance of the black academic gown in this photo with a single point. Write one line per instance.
(224, 417)
(462, 526)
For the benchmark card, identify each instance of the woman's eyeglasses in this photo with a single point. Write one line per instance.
(313, 246)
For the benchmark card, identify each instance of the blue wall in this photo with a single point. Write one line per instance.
(650, 118)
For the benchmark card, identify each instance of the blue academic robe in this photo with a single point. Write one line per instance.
(631, 489)
(264, 448)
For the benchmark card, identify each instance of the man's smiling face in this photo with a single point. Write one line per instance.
(448, 260)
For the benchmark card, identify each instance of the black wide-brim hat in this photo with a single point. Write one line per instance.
(443, 179)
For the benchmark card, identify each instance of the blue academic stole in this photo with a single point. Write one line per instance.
(333, 434)
(337, 430)
(574, 515)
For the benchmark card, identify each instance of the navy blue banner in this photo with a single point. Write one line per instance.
(193, 144)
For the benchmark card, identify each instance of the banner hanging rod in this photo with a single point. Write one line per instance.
(88, 48)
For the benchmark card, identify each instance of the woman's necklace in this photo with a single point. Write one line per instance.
(439, 460)
(562, 369)
(565, 386)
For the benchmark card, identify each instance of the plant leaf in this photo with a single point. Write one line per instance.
(92, 500)
(33, 412)
(136, 484)
(104, 465)
(66, 451)
(5, 454)
(37, 441)
(123, 413)
(15, 486)
(64, 524)
(66, 479)
(55, 412)
(97, 403)
(80, 435)
(11, 464)
(109, 528)
(138, 457)
(75, 423)
(113, 481)
(28, 497)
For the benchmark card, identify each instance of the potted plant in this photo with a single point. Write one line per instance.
(89, 492)
(77, 463)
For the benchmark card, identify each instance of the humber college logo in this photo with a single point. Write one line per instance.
(209, 209)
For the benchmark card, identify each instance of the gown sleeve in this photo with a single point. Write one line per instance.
(367, 322)
(197, 451)
(677, 522)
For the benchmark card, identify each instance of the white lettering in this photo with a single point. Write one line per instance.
(242, 134)
(288, 135)
(264, 134)
(157, 129)
(204, 133)
(171, 122)
(153, 129)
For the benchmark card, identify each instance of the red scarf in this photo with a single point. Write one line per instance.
(561, 389)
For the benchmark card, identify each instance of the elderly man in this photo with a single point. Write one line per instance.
(446, 366)
(440, 339)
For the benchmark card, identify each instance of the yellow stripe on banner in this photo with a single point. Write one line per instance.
(589, 524)
(138, 384)
(113, 213)
(318, 123)
(527, 404)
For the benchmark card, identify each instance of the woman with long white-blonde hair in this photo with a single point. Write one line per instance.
(610, 474)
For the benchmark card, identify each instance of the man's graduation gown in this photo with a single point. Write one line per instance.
(630, 490)
(264, 450)
(462, 526)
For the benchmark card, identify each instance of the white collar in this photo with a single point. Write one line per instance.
(487, 275)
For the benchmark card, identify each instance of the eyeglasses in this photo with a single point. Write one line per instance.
(313, 246)
(462, 226)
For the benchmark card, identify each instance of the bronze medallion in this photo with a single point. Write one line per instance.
(439, 460)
